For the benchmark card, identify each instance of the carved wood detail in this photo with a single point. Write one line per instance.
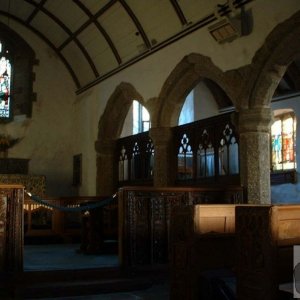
(257, 265)
(11, 225)
(145, 216)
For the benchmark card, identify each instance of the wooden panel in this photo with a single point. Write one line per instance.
(3, 209)
(13, 166)
(256, 254)
(200, 233)
(259, 247)
(145, 214)
(265, 237)
(214, 218)
(289, 230)
(12, 197)
(286, 222)
(35, 184)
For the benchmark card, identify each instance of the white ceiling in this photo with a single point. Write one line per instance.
(99, 37)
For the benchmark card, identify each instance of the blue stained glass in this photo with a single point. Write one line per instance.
(5, 79)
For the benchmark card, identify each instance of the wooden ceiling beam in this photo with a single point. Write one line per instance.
(69, 32)
(100, 28)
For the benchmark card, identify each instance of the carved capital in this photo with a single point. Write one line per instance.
(255, 120)
(105, 146)
(161, 135)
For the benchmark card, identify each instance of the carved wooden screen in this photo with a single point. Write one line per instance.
(135, 156)
(144, 218)
(207, 151)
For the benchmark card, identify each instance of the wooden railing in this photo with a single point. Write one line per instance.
(135, 159)
(42, 223)
(204, 151)
(207, 151)
(144, 218)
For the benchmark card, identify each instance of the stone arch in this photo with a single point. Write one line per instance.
(271, 61)
(109, 129)
(189, 71)
(116, 110)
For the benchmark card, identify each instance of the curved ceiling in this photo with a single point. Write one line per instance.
(96, 38)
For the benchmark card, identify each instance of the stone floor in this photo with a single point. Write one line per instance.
(156, 292)
(66, 257)
(63, 257)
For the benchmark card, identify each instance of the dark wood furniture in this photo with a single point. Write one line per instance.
(202, 240)
(14, 166)
(46, 225)
(254, 242)
(266, 235)
(144, 219)
(11, 228)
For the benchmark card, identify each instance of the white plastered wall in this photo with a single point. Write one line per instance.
(149, 74)
(47, 136)
(63, 125)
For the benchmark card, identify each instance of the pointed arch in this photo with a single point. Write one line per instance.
(271, 61)
(111, 122)
(189, 71)
(109, 129)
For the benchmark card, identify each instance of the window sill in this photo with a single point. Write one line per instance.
(286, 176)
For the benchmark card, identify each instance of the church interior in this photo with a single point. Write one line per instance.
(150, 145)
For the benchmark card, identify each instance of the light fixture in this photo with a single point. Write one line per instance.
(225, 30)
(233, 25)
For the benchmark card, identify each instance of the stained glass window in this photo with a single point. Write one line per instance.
(283, 134)
(5, 83)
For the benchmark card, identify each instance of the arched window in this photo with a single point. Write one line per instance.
(5, 82)
(135, 147)
(141, 118)
(16, 75)
(283, 135)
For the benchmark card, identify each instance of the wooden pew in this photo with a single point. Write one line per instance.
(144, 218)
(254, 241)
(202, 239)
(266, 235)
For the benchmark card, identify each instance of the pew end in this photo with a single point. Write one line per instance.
(253, 242)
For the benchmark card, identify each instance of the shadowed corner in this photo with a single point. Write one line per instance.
(297, 277)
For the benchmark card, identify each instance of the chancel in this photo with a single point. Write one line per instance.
(149, 149)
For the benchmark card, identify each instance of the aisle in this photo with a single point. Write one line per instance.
(64, 257)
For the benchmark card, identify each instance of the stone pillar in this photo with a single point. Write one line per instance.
(164, 173)
(106, 167)
(254, 129)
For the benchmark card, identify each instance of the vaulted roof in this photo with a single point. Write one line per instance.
(96, 38)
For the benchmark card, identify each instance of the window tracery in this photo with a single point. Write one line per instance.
(5, 83)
